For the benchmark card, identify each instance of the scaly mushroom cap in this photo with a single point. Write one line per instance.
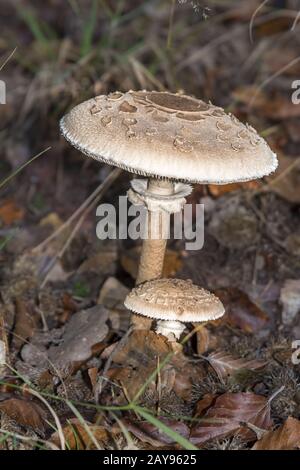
(174, 299)
(168, 135)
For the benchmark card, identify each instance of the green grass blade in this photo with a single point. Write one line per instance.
(165, 429)
(88, 30)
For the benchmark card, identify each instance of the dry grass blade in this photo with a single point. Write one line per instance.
(55, 417)
(85, 209)
(253, 18)
(92, 197)
(18, 170)
(89, 430)
(7, 59)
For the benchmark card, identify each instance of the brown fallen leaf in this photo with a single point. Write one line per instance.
(141, 356)
(217, 190)
(227, 415)
(205, 340)
(142, 348)
(25, 412)
(112, 295)
(25, 323)
(147, 432)
(10, 213)
(93, 374)
(85, 330)
(286, 437)
(240, 311)
(130, 262)
(225, 364)
(77, 436)
(138, 359)
(203, 404)
(186, 375)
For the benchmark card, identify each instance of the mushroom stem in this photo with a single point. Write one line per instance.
(170, 328)
(154, 246)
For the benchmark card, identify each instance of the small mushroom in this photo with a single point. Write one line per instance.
(171, 139)
(173, 302)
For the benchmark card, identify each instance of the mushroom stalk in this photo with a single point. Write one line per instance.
(154, 245)
(170, 328)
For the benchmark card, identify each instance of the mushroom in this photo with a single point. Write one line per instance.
(173, 302)
(173, 140)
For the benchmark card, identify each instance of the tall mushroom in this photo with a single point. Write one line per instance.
(170, 139)
(173, 302)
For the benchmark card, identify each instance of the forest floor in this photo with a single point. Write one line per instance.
(234, 384)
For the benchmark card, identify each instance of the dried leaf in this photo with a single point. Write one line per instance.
(226, 416)
(10, 213)
(240, 311)
(24, 412)
(286, 437)
(204, 404)
(112, 296)
(77, 436)
(83, 332)
(225, 364)
(103, 261)
(205, 340)
(186, 375)
(139, 359)
(217, 190)
(143, 348)
(93, 374)
(147, 432)
(25, 324)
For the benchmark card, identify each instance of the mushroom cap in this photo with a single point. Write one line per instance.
(167, 135)
(174, 299)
